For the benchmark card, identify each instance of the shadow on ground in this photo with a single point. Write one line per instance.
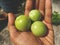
(3, 24)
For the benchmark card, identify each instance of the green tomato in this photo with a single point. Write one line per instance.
(35, 15)
(22, 23)
(38, 28)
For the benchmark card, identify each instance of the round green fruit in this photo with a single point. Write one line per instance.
(35, 15)
(38, 28)
(22, 23)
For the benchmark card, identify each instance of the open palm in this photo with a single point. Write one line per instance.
(27, 38)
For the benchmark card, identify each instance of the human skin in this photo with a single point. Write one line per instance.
(27, 38)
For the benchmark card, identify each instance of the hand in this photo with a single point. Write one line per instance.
(27, 38)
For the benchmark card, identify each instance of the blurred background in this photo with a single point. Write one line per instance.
(4, 34)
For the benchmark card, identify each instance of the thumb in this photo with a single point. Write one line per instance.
(11, 27)
(11, 19)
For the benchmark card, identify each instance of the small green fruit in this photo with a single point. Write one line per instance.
(22, 23)
(35, 15)
(38, 28)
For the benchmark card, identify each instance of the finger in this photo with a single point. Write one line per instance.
(48, 11)
(11, 27)
(37, 4)
(50, 37)
(11, 19)
(46, 42)
(50, 40)
(49, 25)
(42, 6)
(28, 7)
